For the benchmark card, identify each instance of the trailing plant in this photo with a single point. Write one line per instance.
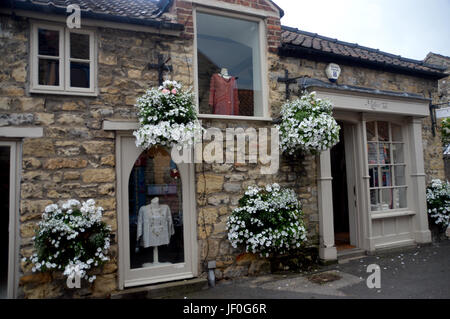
(71, 237)
(438, 202)
(268, 221)
(167, 116)
(307, 125)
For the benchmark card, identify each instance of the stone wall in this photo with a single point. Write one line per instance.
(76, 158)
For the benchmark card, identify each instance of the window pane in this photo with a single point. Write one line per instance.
(79, 75)
(371, 134)
(155, 211)
(396, 133)
(48, 72)
(383, 131)
(400, 197)
(229, 66)
(372, 153)
(373, 172)
(385, 154)
(386, 176)
(375, 200)
(387, 200)
(397, 150)
(400, 175)
(48, 42)
(79, 46)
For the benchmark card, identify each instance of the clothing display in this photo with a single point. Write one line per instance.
(223, 95)
(155, 225)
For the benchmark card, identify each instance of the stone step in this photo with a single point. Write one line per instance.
(349, 254)
(164, 290)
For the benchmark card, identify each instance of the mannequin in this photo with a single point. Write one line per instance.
(223, 93)
(155, 227)
(224, 73)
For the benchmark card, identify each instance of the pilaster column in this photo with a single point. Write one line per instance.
(420, 221)
(327, 249)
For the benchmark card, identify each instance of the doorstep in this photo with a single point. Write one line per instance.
(164, 290)
(350, 254)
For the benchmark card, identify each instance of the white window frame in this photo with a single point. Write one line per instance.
(263, 55)
(64, 61)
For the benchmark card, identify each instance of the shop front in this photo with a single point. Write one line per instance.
(372, 184)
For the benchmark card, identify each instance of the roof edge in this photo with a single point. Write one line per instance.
(356, 45)
(27, 6)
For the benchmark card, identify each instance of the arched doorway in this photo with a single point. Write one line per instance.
(156, 210)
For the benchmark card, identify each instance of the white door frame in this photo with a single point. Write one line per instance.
(125, 153)
(13, 227)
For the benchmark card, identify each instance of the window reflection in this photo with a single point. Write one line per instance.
(155, 211)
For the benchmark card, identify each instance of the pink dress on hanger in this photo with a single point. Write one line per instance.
(223, 95)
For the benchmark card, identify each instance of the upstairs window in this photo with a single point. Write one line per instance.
(229, 59)
(62, 60)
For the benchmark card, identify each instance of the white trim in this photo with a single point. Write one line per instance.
(235, 117)
(21, 132)
(221, 5)
(64, 59)
(93, 23)
(237, 13)
(13, 227)
(111, 125)
(375, 215)
(363, 102)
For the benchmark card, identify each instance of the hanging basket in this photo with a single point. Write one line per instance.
(307, 126)
(167, 117)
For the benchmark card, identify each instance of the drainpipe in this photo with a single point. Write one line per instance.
(211, 275)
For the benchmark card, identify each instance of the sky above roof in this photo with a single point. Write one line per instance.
(410, 28)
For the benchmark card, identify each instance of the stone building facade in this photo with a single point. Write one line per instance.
(74, 145)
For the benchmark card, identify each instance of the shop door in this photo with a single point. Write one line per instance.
(157, 215)
(344, 189)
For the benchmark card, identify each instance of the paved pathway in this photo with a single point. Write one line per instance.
(423, 272)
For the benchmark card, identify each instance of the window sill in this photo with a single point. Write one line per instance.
(232, 117)
(391, 214)
(67, 93)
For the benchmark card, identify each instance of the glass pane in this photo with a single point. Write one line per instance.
(400, 179)
(396, 133)
(386, 176)
(385, 154)
(79, 75)
(372, 153)
(371, 134)
(375, 200)
(4, 217)
(373, 172)
(48, 72)
(387, 200)
(79, 46)
(229, 66)
(397, 150)
(48, 42)
(383, 131)
(155, 211)
(400, 198)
